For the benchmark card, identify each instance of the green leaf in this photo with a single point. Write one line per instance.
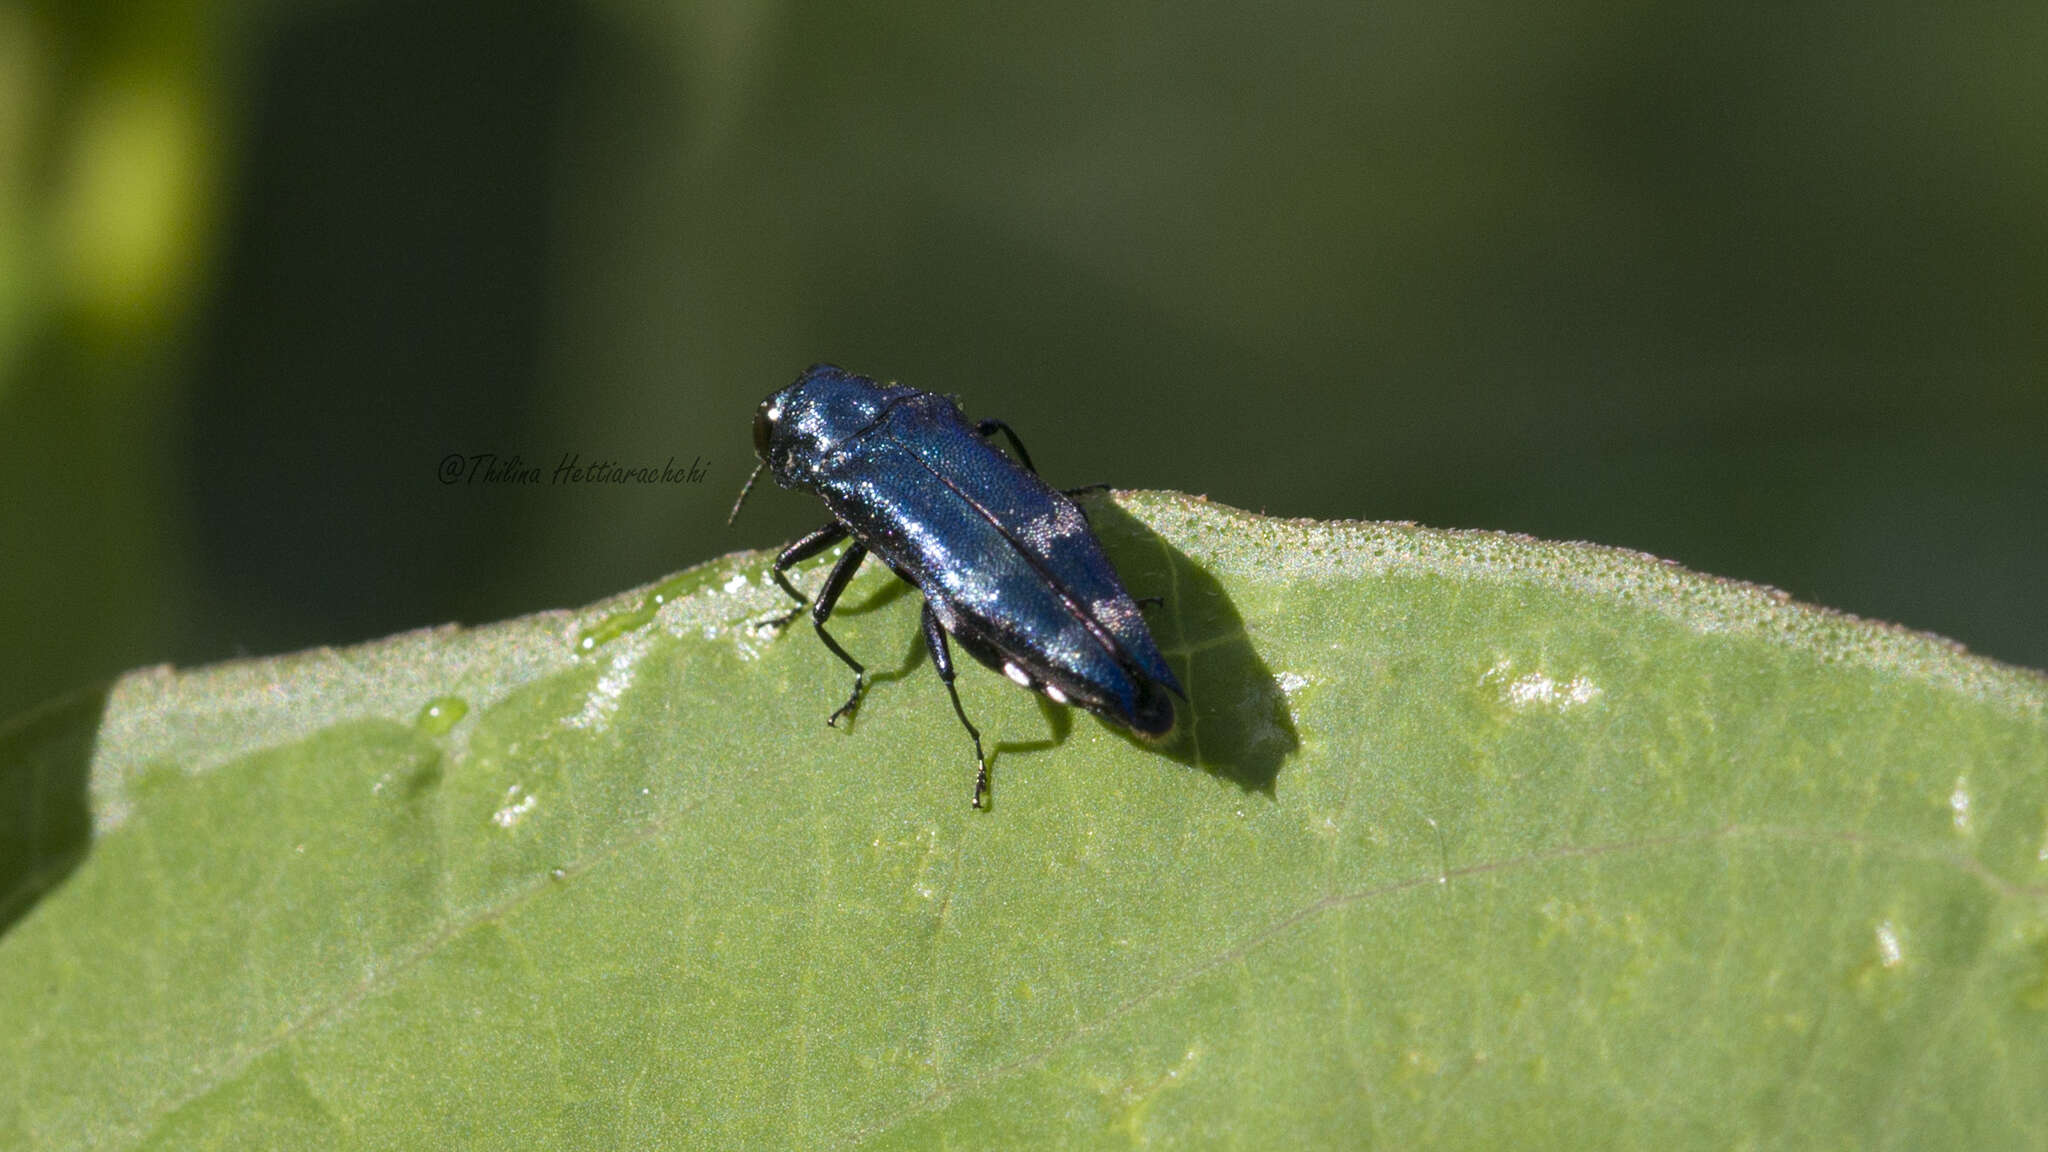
(1472, 840)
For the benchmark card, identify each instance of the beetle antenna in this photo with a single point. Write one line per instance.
(746, 488)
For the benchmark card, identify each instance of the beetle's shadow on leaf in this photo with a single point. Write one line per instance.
(1235, 723)
(46, 823)
(875, 600)
(890, 589)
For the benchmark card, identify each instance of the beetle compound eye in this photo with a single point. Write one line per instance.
(764, 426)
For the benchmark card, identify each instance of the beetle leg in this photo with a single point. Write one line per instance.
(1151, 601)
(821, 610)
(797, 553)
(1085, 490)
(987, 428)
(942, 660)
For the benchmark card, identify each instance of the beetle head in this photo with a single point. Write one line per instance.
(799, 430)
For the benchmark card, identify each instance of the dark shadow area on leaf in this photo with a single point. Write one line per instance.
(46, 824)
(1059, 724)
(1235, 723)
(913, 657)
(892, 590)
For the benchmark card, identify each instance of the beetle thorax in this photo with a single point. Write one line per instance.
(816, 420)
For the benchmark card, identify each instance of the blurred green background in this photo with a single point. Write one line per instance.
(1763, 289)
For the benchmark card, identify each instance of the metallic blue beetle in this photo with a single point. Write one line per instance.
(1007, 564)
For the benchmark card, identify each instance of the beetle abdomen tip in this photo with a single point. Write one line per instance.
(1153, 714)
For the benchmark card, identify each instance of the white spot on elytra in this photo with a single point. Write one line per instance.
(1017, 674)
(1959, 804)
(1888, 951)
(516, 807)
(1057, 696)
